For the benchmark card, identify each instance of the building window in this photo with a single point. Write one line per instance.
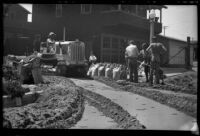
(106, 42)
(115, 43)
(86, 8)
(111, 48)
(58, 10)
(12, 16)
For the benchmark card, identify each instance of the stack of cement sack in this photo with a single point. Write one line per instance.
(93, 70)
(113, 71)
(109, 71)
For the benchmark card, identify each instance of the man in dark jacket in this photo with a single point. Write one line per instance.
(146, 59)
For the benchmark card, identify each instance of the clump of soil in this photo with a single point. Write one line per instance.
(187, 81)
(182, 103)
(60, 106)
(112, 110)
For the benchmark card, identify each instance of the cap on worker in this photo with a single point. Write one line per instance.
(51, 33)
(144, 45)
(131, 42)
(154, 37)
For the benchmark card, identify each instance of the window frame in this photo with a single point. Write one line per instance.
(59, 13)
(83, 9)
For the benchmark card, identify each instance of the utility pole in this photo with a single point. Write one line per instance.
(152, 16)
(188, 66)
(164, 27)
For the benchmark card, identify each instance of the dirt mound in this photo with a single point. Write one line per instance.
(187, 81)
(60, 106)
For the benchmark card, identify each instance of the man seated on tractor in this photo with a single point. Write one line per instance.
(51, 42)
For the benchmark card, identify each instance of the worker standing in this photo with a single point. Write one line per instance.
(36, 71)
(156, 49)
(131, 55)
(51, 42)
(146, 60)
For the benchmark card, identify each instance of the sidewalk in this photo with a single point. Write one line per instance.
(153, 115)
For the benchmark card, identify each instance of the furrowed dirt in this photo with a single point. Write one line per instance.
(112, 110)
(182, 103)
(60, 106)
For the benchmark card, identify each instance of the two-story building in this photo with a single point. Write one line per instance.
(17, 31)
(104, 28)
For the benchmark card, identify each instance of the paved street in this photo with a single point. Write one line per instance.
(150, 113)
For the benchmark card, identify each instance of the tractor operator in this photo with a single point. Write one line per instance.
(51, 42)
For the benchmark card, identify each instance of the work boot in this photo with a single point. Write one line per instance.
(150, 84)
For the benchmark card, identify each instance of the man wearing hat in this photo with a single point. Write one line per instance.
(51, 42)
(131, 55)
(146, 60)
(156, 49)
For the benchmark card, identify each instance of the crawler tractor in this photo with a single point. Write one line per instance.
(68, 58)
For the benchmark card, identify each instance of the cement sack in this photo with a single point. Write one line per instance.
(109, 73)
(89, 73)
(101, 71)
(141, 72)
(123, 74)
(116, 73)
(95, 70)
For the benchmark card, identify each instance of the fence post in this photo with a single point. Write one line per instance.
(187, 53)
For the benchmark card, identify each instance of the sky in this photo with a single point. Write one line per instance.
(180, 19)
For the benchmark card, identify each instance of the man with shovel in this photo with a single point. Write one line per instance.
(156, 49)
(146, 57)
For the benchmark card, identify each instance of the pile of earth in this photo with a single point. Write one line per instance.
(185, 103)
(112, 110)
(185, 83)
(61, 105)
(187, 80)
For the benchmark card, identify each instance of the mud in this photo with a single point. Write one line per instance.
(112, 110)
(183, 103)
(59, 106)
(187, 81)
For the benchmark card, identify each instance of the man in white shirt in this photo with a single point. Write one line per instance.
(92, 58)
(131, 55)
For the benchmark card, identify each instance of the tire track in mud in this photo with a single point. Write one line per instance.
(112, 110)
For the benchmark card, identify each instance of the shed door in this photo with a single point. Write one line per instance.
(179, 58)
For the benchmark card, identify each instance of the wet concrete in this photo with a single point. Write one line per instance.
(150, 113)
(94, 119)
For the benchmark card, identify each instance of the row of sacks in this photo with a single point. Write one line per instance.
(111, 70)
